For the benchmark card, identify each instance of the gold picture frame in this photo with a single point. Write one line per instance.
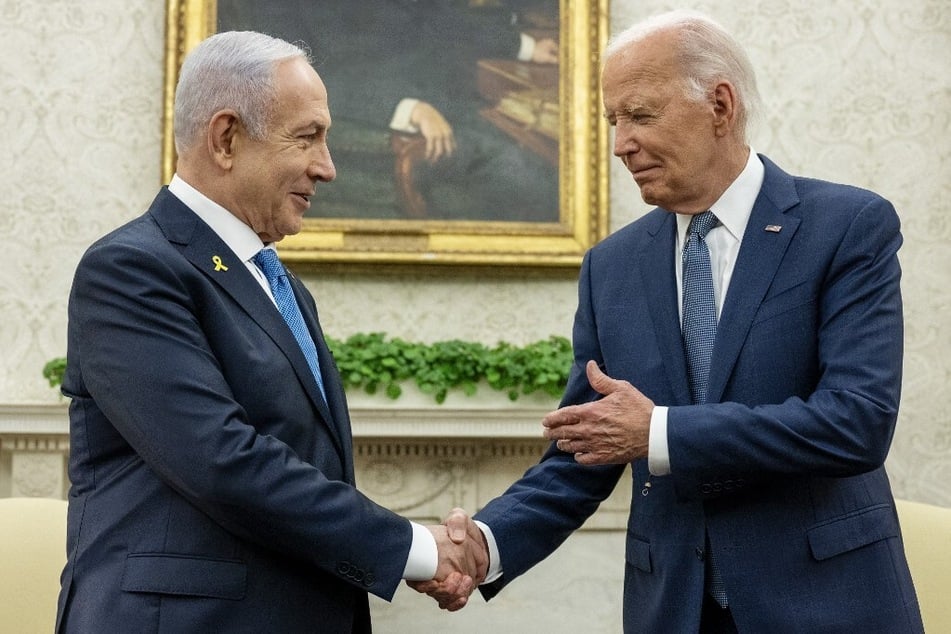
(580, 153)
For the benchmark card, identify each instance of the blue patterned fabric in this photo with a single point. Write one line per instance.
(276, 275)
(699, 307)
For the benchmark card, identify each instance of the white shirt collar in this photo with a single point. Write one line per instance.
(735, 205)
(239, 237)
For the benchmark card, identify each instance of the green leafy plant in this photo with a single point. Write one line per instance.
(53, 371)
(372, 362)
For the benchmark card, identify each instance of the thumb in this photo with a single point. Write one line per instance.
(601, 382)
(457, 523)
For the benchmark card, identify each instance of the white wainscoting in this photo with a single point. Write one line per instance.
(420, 460)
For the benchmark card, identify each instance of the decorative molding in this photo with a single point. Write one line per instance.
(417, 461)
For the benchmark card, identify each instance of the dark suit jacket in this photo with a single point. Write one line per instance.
(212, 487)
(784, 470)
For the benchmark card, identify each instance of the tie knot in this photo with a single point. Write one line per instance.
(702, 223)
(269, 263)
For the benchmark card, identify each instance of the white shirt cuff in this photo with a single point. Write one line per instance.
(402, 115)
(423, 555)
(527, 48)
(658, 453)
(495, 564)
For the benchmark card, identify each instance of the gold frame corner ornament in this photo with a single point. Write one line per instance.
(583, 180)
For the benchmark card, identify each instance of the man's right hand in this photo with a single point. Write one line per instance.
(463, 562)
(440, 140)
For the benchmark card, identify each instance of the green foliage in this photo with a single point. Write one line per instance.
(53, 371)
(373, 363)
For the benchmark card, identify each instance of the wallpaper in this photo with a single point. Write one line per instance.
(855, 92)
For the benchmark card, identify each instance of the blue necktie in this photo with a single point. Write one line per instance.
(700, 331)
(699, 307)
(276, 275)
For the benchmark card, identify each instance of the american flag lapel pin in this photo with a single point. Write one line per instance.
(774, 228)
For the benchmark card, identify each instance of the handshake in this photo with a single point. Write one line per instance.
(463, 561)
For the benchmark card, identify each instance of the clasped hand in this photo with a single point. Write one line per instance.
(463, 561)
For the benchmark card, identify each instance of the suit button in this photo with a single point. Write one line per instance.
(706, 488)
(699, 552)
(344, 568)
(358, 575)
(369, 579)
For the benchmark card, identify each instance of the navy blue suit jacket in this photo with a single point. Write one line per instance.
(212, 486)
(784, 470)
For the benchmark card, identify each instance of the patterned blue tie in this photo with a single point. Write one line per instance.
(276, 275)
(700, 331)
(699, 307)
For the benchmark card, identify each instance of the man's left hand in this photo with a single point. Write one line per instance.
(611, 430)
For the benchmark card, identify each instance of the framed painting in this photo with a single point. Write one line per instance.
(465, 132)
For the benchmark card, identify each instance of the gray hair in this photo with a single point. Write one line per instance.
(232, 70)
(707, 54)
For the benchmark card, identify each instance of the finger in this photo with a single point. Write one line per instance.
(569, 415)
(456, 605)
(453, 590)
(591, 459)
(457, 522)
(437, 149)
(601, 382)
(423, 587)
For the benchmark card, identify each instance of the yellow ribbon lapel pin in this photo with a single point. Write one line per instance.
(219, 266)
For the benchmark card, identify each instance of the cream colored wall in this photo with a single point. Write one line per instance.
(856, 92)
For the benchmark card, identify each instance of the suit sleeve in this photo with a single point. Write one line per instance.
(831, 360)
(555, 497)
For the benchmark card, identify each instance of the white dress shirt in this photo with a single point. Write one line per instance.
(240, 238)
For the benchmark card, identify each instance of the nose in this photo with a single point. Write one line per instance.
(321, 167)
(625, 141)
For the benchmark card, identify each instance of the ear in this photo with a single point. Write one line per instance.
(223, 131)
(724, 108)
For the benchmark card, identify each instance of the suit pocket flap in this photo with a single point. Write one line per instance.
(639, 554)
(185, 575)
(853, 531)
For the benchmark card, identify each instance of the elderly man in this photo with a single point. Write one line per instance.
(740, 347)
(211, 459)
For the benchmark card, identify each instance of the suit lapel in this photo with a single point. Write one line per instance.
(209, 254)
(336, 399)
(661, 284)
(767, 236)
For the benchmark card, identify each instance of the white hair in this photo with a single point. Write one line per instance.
(707, 54)
(232, 70)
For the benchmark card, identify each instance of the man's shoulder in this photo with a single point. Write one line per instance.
(142, 237)
(640, 229)
(811, 190)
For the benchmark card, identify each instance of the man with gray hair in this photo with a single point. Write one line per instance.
(740, 347)
(211, 456)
